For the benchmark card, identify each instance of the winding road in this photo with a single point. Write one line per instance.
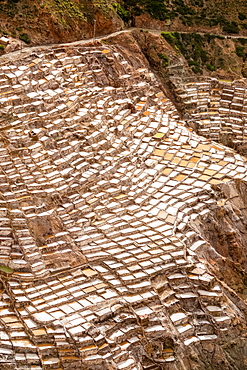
(27, 50)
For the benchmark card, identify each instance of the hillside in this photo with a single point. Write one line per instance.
(123, 231)
(222, 16)
(123, 185)
(54, 21)
(57, 20)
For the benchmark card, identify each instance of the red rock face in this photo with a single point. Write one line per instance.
(50, 24)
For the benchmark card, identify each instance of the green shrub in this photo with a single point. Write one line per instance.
(193, 63)
(137, 10)
(240, 51)
(69, 8)
(198, 3)
(158, 10)
(221, 62)
(197, 70)
(210, 67)
(209, 37)
(187, 20)
(213, 22)
(169, 37)
(122, 13)
(231, 27)
(25, 37)
(242, 16)
(165, 59)
(2, 47)
(220, 37)
(242, 41)
(203, 56)
(191, 46)
(183, 9)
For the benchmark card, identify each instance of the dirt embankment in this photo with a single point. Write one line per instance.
(56, 21)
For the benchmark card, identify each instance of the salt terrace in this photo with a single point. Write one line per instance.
(99, 180)
(219, 108)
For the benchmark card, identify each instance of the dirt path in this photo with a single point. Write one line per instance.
(27, 50)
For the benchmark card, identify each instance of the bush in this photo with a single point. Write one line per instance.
(158, 10)
(193, 63)
(183, 9)
(197, 70)
(198, 3)
(221, 62)
(169, 37)
(220, 37)
(210, 67)
(187, 20)
(242, 41)
(230, 27)
(165, 59)
(209, 37)
(203, 56)
(213, 22)
(137, 10)
(240, 51)
(242, 16)
(2, 47)
(25, 37)
(121, 12)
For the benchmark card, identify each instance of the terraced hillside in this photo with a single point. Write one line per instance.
(217, 110)
(106, 203)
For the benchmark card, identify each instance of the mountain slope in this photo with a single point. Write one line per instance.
(69, 20)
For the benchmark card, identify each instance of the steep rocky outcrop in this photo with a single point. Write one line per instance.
(225, 229)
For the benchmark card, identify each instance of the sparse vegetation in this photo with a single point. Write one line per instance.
(240, 51)
(69, 15)
(69, 8)
(165, 59)
(230, 27)
(242, 16)
(2, 47)
(157, 9)
(210, 67)
(191, 46)
(169, 37)
(25, 37)
(121, 12)
(190, 13)
(197, 50)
